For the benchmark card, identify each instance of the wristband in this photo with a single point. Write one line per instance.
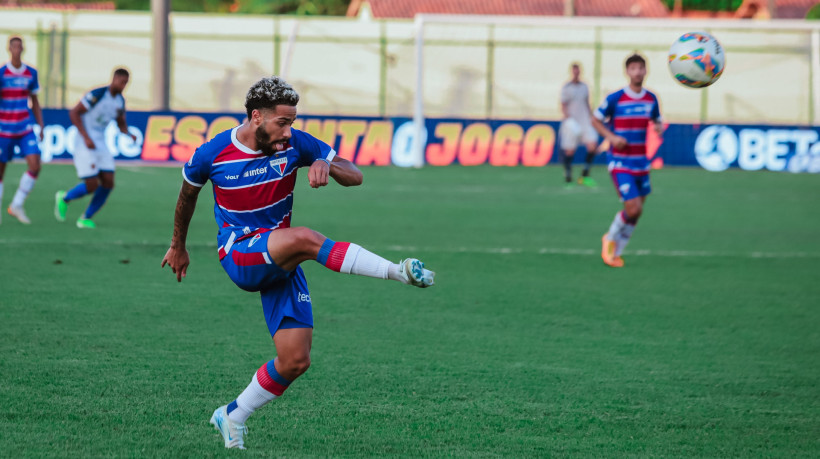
(325, 160)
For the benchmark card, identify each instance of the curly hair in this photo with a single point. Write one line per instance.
(268, 93)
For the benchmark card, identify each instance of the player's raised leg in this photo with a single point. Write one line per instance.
(290, 246)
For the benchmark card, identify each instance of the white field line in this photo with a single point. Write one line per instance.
(454, 249)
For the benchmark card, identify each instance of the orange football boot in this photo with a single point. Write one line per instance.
(608, 253)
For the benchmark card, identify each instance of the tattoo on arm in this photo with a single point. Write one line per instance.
(186, 204)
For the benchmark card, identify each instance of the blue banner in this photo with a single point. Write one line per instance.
(173, 136)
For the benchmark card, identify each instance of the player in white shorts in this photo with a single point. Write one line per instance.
(576, 128)
(93, 160)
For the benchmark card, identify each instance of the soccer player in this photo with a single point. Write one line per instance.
(576, 128)
(18, 85)
(253, 171)
(627, 113)
(92, 159)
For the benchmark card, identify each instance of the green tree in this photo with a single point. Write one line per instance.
(814, 12)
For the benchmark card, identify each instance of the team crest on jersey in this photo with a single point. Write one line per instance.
(279, 165)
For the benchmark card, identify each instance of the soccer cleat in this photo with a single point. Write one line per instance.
(414, 272)
(608, 253)
(19, 214)
(587, 182)
(60, 206)
(86, 223)
(233, 432)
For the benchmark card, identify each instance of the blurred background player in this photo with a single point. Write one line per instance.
(627, 113)
(253, 171)
(18, 85)
(576, 127)
(92, 159)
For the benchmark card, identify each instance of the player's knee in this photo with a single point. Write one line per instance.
(634, 211)
(306, 239)
(296, 364)
(91, 185)
(108, 183)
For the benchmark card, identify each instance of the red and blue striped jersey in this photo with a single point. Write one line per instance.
(16, 85)
(628, 115)
(251, 189)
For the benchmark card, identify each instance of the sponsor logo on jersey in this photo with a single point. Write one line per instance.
(231, 177)
(255, 172)
(254, 239)
(279, 165)
(303, 298)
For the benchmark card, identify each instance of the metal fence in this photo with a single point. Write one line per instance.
(472, 67)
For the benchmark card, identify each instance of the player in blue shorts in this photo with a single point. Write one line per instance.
(92, 159)
(253, 172)
(627, 114)
(18, 85)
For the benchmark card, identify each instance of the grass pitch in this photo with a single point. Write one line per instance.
(705, 345)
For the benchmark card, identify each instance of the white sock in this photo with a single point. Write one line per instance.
(362, 262)
(616, 227)
(251, 399)
(26, 184)
(1, 194)
(623, 238)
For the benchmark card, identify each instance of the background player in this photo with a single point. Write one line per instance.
(92, 159)
(18, 85)
(627, 113)
(576, 128)
(253, 171)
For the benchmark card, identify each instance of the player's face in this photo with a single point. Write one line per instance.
(119, 83)
(273, 128)
(636, 73)
(576, 72)
(16, 49)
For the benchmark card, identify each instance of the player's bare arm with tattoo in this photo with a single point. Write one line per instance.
(177, 254)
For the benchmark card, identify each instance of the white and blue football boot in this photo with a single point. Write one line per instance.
(232, 432)
(413, 270)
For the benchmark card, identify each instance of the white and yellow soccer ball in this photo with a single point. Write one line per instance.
(696, 59)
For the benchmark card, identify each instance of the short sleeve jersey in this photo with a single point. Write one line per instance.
(628, 115)
(251, 189)
(576, 96)
(16, 86)
(102, 109)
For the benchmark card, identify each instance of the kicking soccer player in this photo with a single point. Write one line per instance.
(627, 113)
(92, 159)
(577, 127)
(253, 171)
(18, 85)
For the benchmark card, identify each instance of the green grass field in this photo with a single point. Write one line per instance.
(707, 344)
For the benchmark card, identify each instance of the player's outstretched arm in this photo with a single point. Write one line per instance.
(345, 173)
(177, 255)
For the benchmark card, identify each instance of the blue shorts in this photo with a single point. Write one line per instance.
(285, 296)
(27, 143)
(631, 186)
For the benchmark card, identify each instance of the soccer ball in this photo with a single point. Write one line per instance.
(696, 59)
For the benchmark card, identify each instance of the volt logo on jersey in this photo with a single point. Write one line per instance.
(279, 165)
